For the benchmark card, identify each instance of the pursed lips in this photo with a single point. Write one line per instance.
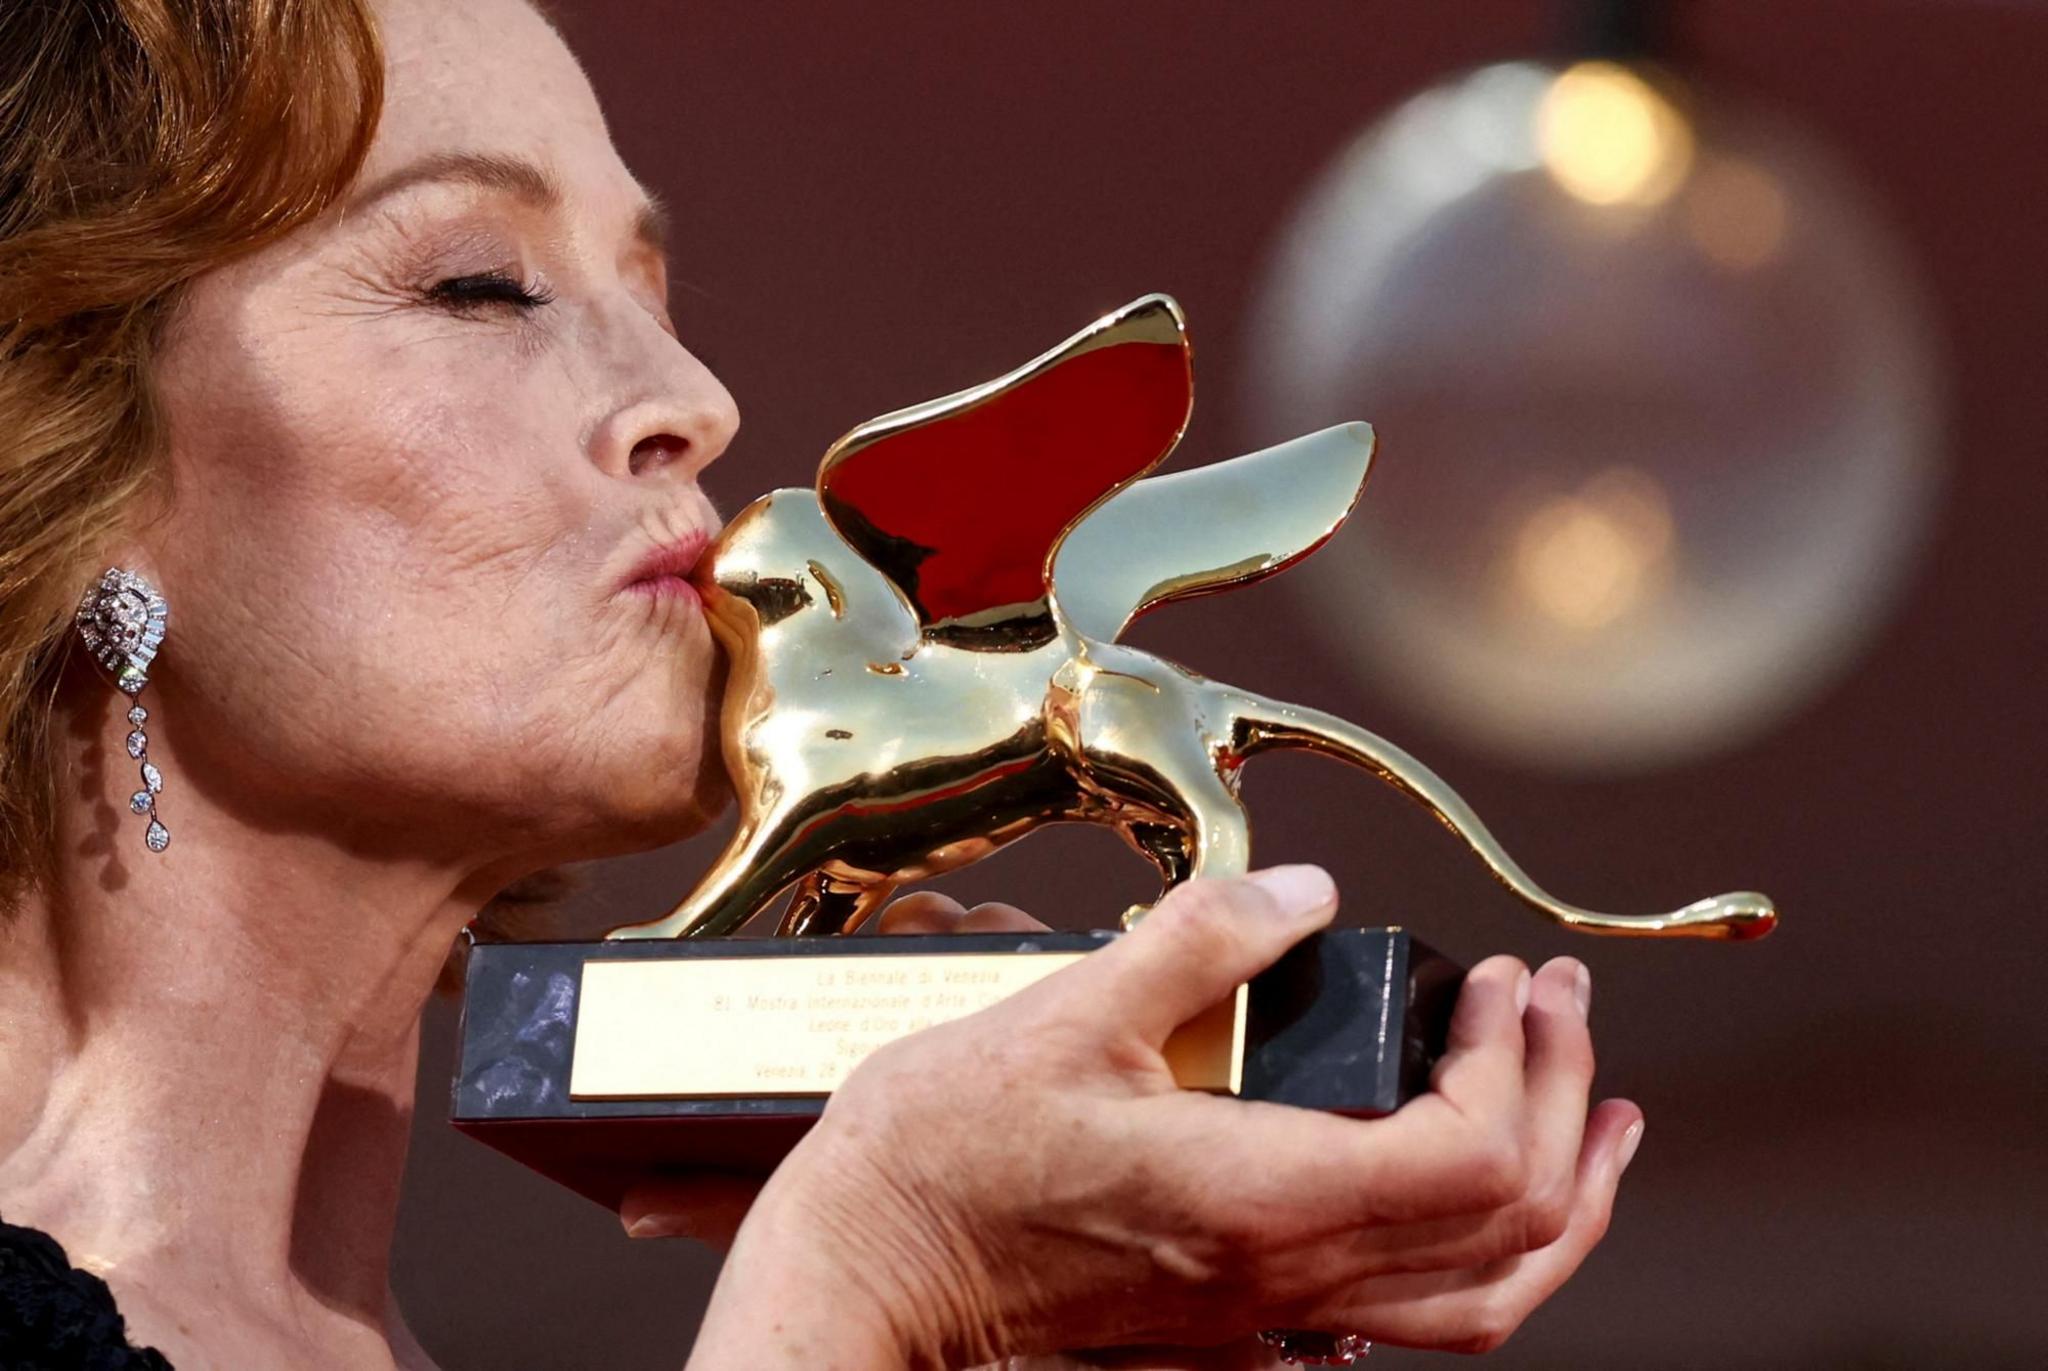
(664, 573)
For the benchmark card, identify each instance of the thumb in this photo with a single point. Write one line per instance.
(706, 1205)
(1203, 940)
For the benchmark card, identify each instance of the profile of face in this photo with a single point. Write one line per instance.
(434, 485)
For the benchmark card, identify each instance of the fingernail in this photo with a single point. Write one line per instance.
(1297, 890)
(655, 1226)
(1522, 991)
(1630, 1141)
(1582, 989)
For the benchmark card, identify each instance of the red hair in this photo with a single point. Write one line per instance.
(142, 143)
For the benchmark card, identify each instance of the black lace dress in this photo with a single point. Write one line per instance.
(54, 1317)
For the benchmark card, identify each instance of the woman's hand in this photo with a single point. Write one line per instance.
(1029, 1177)
(710, 1205)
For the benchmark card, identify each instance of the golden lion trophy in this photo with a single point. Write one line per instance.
(924, 664)
(924, 667)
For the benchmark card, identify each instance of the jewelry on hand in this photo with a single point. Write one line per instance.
(1305, 1347)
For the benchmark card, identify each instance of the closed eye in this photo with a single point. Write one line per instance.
(467, 294)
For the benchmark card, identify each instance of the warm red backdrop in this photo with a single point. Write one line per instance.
(880, 202)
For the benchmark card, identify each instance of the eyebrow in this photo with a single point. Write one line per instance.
(515, 176)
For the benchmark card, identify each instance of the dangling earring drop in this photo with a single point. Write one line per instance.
(122, 621)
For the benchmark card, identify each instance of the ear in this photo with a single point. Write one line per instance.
(960, 501)
(1200, 531)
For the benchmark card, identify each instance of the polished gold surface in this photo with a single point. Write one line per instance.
(796, 1026)
(923, 664)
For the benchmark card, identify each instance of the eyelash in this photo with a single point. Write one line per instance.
(467, 294)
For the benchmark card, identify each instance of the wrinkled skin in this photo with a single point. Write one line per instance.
(419, 451)
(405, 496)
(1091, 1203)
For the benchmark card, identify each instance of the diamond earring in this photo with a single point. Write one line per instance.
(122, 620)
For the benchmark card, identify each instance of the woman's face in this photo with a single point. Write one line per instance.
(422, 453)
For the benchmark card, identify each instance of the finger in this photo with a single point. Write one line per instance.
(707, 1205)
(999, 918)
(1485, 1050)
(1557, 1076)
(1204, 939)
(1335, 1182)
(930, 912)
(925, 912)
(1460, 1148)
(1478, 1309)
(1557, 1080)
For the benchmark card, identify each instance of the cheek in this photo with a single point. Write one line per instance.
(632, 735)
(407, 515)
(389, 583)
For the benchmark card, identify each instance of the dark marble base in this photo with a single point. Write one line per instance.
(1349, 1021)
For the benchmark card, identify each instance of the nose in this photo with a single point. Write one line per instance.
(680, 423)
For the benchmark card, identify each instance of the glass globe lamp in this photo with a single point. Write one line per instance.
(1656, 398)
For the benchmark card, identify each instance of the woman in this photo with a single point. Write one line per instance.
(389, 409)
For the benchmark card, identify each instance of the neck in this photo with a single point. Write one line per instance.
(207, 1057)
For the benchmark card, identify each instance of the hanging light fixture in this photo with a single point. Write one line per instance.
(1657, 395)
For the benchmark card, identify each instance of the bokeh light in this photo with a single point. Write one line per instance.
(1607, 136)
(1657, 400)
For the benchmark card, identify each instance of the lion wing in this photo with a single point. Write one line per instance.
(1200, 531)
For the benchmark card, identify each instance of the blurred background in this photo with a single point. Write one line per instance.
(1704, 341)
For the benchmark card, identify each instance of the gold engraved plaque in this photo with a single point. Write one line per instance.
(750, 1027)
